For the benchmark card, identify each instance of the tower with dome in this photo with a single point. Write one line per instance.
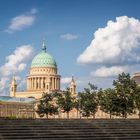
(42, 77)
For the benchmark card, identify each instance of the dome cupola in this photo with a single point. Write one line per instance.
(43, 59)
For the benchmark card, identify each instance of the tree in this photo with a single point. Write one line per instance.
(137, 100)
(77, 105)
(46, 106)
(65, 101)
(88, 101)
(106, 100)
(125, 89)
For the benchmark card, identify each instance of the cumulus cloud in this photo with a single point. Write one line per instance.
(66, 80)
(14, 63)
(109, 71)
(69, 36)
(3, 81)
(20, 22)
(22, 85)
(115, 44)
(114, 48)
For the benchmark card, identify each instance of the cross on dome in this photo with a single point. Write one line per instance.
(43, 48)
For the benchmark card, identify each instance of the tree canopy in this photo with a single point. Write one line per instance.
(121, 100)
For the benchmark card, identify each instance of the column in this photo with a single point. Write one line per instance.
(55, 83)
(41, 82)
(32, 83)
(38, 82)
(45, 83)
(35, 83)
(52, 84)
(59, 83)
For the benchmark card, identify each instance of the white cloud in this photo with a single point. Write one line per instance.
(116, 44)
(21, 66)
(34, 11)
(114, 48)
(66, 80)
(109, 71)
(20, 22)
(14, 63)
(69, 36)
(3, 82)
(22, 85)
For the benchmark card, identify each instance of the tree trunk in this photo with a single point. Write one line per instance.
(124, 114)
(110, 115)
(94, 116)
(47, 116)
(77, 113)
(80, 114)
(67, 115)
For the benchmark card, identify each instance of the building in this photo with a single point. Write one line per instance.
(136, 77)
(42, 77)
(72, 86)
(13, 107)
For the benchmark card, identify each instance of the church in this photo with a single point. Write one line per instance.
(42, 77)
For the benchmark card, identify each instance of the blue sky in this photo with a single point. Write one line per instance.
(68, 27)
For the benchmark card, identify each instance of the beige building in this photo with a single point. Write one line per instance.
(17, 110)
(42, 77)
(136, 77)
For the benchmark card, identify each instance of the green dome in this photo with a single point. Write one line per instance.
(43, 59)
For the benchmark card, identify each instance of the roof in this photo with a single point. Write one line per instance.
(15, 99)
(43, 59)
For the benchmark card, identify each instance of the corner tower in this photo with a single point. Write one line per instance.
(13, 87)
(72, 86)
(43, 75)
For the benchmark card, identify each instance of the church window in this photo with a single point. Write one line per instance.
(43, 85)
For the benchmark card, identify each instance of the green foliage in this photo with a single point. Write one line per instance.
(106, 99)
(46, 106)
(12, 117)
(137, 100)
(120, 100)
(65, 101)
(125, 89)
(88, 101)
